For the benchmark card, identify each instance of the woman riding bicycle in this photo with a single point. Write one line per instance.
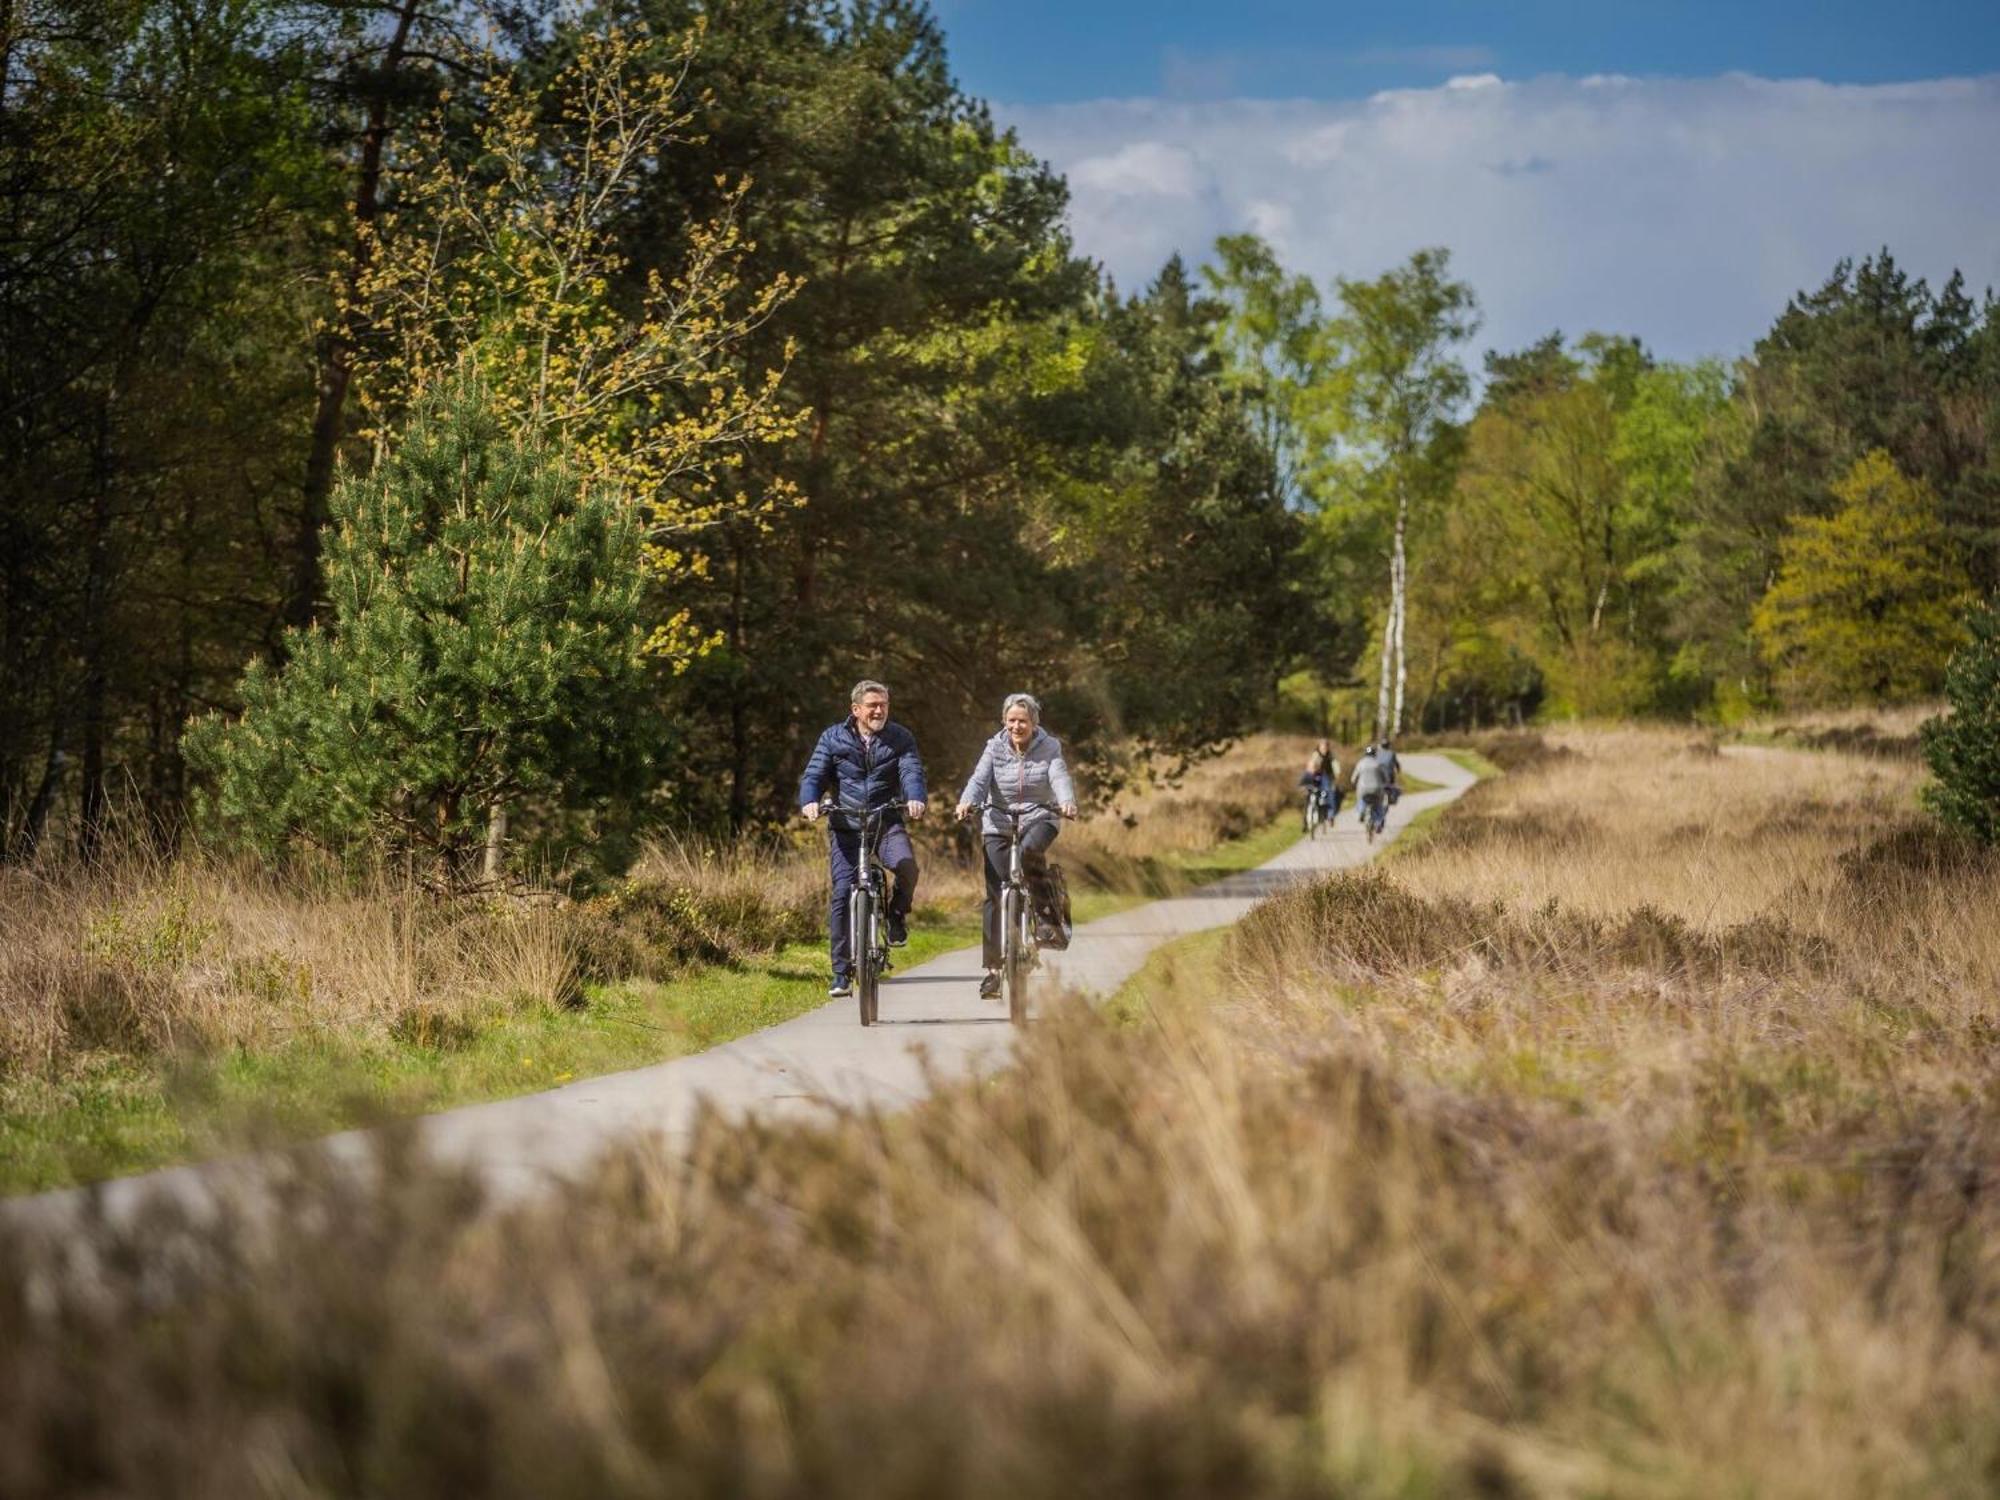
(1323, 769)
(1021, 769)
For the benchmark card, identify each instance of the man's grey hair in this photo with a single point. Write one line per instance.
(863, 688)
(1027, 701)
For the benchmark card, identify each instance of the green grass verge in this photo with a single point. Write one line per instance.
(1185, 870)
(1473, 761)
(1190, 966)
(125, 1115)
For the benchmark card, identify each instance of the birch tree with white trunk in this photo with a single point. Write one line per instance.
(1394, 343)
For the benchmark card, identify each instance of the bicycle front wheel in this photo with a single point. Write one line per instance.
(1014, 952)
(861, 947)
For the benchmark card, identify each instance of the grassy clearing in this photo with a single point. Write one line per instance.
(1635, 1136)
(158, 1012)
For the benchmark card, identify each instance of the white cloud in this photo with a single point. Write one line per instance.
(1684, 211)
(1142, 169)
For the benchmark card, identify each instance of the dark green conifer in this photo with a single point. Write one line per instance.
(1963, 746)
(483, 646)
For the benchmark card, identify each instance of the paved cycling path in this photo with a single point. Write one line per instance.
(933, 1026)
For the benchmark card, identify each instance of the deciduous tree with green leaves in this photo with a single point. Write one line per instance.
(1577, 472)
(508, 256)
(1394, 338)
(1869, 601)
(1272, 340)
(484, 645)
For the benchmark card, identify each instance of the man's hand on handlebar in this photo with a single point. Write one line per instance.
(812, 810)
(1068, 809)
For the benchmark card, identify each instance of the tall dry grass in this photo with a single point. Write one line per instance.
(1888, 730)
(144, 956)
(1505, 1174)
(1643, 910)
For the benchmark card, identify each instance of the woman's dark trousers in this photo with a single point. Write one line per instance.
(1035, 841)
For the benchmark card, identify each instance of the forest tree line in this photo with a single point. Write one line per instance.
(808, 328)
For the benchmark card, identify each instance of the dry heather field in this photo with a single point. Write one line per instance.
(1636, 1134)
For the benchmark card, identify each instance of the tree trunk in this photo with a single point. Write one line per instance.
(36, 823)
(336, 372)
(739, 718)
(1388, 657)
(1389, 689)
(96, 663)
(494, 869)
(90, 823)
(1402, 567)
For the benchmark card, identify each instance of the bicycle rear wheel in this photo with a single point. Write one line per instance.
(1014, 951)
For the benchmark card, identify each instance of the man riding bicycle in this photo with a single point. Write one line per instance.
(1021, 768)
(865, 761)
(1371, 788)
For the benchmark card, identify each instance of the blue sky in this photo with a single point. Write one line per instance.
(1043, 51)
(1673, 171)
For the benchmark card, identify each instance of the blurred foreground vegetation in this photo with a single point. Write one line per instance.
(1634, 1136)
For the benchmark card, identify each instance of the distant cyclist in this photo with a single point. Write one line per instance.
(866, 761)
(1323, 766)
(1022, 769)
(1392, 768)
(1371, 789)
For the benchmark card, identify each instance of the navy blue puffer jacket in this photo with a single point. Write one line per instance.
(852, 773)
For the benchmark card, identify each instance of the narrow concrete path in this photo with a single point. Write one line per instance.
(933, 1025)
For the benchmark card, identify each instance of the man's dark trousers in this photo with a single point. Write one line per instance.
(844, 849)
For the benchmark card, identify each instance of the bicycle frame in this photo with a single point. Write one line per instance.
(867, 940)
(1020, 951)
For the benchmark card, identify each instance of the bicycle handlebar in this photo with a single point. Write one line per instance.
(863, 815)
(1008, 812)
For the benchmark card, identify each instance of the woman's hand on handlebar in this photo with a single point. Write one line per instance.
(811, 811)
(915, 809)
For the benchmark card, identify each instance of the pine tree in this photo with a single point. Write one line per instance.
(483, 646)
(1868, 600)
(1963, 747)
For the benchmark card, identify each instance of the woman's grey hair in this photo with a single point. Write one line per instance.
(863, 688)
(1026, 701)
